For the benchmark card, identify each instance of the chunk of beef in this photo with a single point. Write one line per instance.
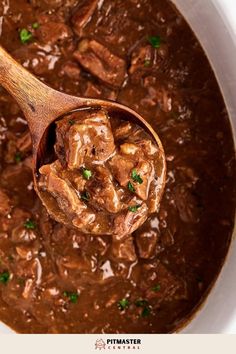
(91, 138)
(141, 59)
(166, 287)
(127, 221)
(129, 149)
(100, 62)
(123, 131)
(146, 242)
(146, 171)
(83, 221)
(83, 14)
(60, 189)
(103, 192)
(121, 168)
(36, 58)
(148, 147)
(5, 203)
(71, 70)
(186, 204)
(158, 95)
(15, 145)
(91, 222)
(53, 32)
(124, 250)
(21, 295)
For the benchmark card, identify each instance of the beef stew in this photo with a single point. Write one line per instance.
(55, 279)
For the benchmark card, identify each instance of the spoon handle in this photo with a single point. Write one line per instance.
(39, 103)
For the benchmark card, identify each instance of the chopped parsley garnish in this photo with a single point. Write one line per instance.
(18, 157)
(136, 177)
(4, 277)
(87, 174)
(156, 288)
(30, 224)
(155, 41)
(123, 304)
(73, 297)
(141, 303)
(35, 25)
(25, 35)
(147, 63)
(145, 307)
(134, 208)
(131, 187)
(85, 196)
(71, 121)
(146, 311)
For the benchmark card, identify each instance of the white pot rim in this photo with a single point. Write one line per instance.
(214, 23)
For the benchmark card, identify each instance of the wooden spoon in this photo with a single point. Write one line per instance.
(42, 105)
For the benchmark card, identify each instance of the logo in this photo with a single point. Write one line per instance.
(118, 343)
(100, 344)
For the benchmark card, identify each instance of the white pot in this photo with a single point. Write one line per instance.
(214, 22)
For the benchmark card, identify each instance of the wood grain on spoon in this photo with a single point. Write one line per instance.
(42, 105)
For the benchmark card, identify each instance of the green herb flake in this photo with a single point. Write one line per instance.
(136, 177)
(147, 63)
(4, 277)
(134, 208)
(156, 288)
(87, 174)
(73, 297)
(123, 304)
(131, 187)
(146, 311)
(18, 157)
(71, 121)
(30, 224)
(141, 303)
(25, 35)
(145, 307)
(155, 41)
(85, 196)
(35, 25)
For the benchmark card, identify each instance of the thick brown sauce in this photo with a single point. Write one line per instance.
(62, 281)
